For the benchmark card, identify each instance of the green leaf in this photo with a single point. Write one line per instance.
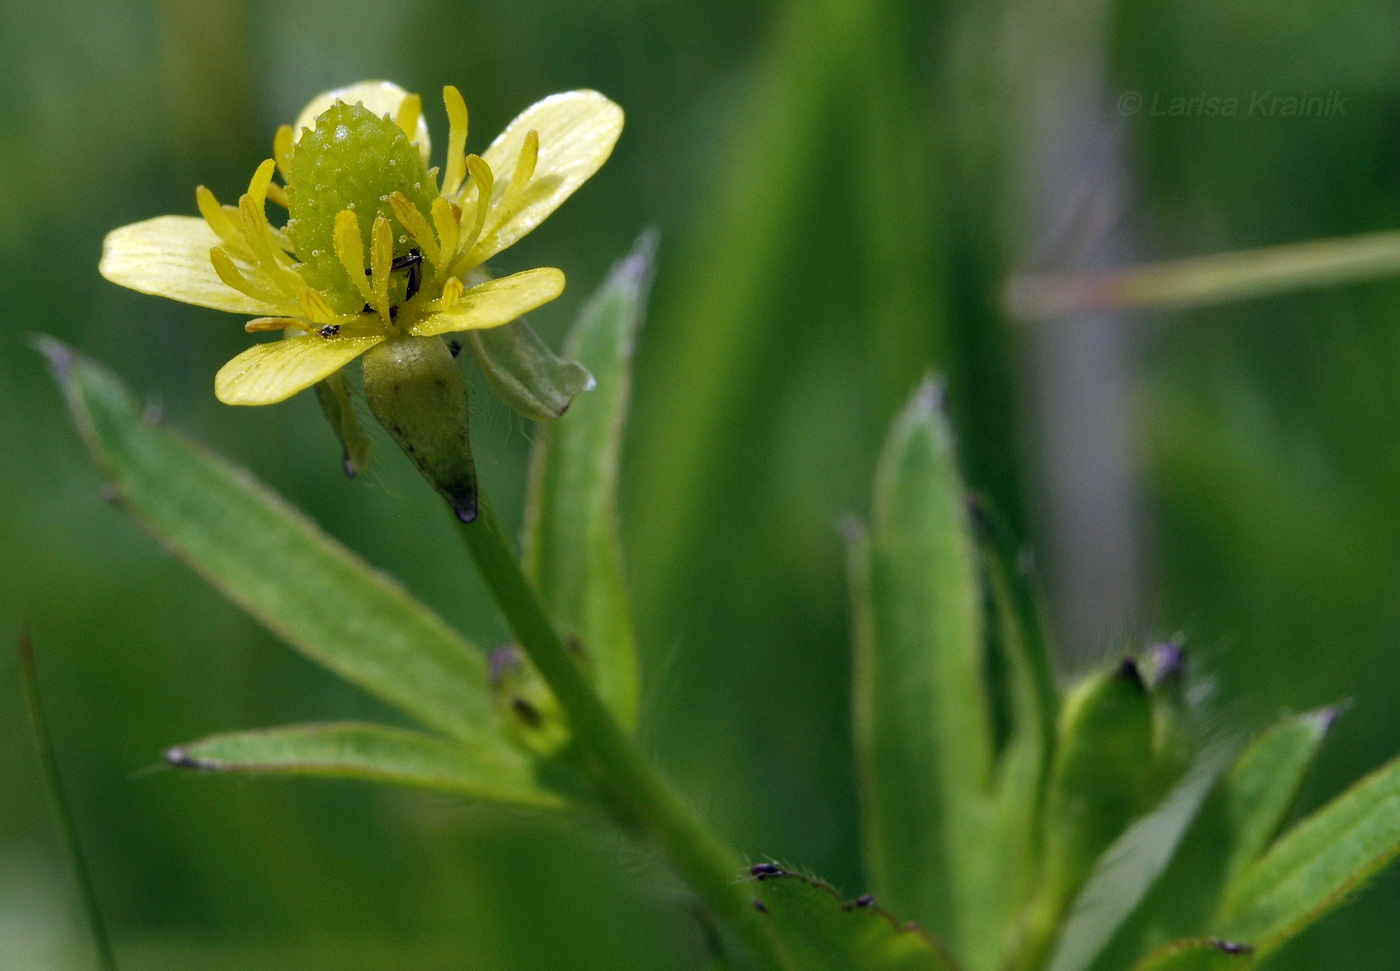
(572, 550)
(820, 932)
(922, 722)
(1262, 785)
(525, 373)
(1197, 954)
(375, 753)
(1317, 864)
(277, 565)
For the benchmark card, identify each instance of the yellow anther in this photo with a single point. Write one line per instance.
(315, 308)
(485, 183)
(233, 277)
(456, 171)
(218, 219)
(262, 178)
(271, 260)
(259, 324)
(277, 194)
(381, 255)
(445, 221)
(416, 223)
(282, 148)
(350, 250)
(410, 110)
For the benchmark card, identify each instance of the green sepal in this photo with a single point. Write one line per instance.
(525, 373)
(339, 410)
(415, 390)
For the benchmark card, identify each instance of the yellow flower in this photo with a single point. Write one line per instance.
(355, 180)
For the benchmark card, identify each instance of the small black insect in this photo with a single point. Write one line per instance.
(761, 870)
(330, 330)
(455, 347)
(412, 261)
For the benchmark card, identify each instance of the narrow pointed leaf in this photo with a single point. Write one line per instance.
(922, 722)
(821, 932)
(374, 753)
(573, 552)
(1198, 954)
(1261, 787)
(1317, 864)
(272, 561)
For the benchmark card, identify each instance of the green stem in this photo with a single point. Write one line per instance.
(68, 831)
(700, 857)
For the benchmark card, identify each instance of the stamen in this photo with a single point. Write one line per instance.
(457, 165)
(259, 324)
(485, 183)
(416, 223)
(349, 248)
(271, 258)
(277, 194)
(512, 199)
(233, 277)
(445, 222)
(381, 258)
(410, 110)
(282, 148)
(262, 178)
(272, 261)
(218, 219)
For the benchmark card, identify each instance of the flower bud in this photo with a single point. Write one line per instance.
(415, 390)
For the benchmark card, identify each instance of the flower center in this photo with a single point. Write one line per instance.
(357, 163)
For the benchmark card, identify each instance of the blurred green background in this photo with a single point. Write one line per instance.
(842, 188)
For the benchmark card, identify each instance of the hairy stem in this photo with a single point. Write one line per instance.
(698, 855)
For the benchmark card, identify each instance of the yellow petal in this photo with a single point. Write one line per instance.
(380, 97)
(169, 257)
(577, 131)
(265, 374)
(495, 302)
